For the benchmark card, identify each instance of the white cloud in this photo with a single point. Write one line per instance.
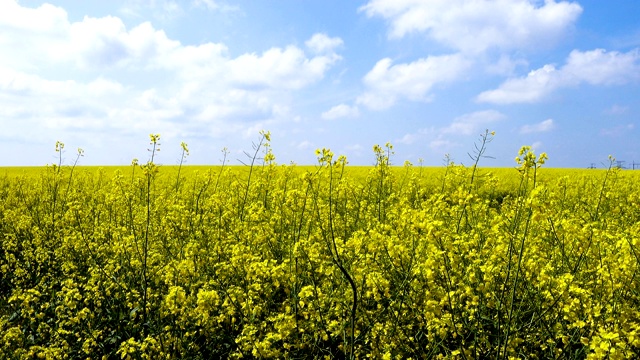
(163, 10)
(214, 5)
(35, 107)
(341, 111)
(543, 126)
(102, 43)
(93, 43)
(473, 122)
(287, 68)
(387, 82)
(477, 25)
(169, 10)
(44, 18)
(23, 86)
(596, 67)
(209, 4)
(529, 89)
(322, 44)
(154, 83)
(102, 87)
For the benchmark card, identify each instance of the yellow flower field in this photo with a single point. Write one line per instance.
(328, 261)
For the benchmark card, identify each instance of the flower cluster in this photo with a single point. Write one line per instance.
(320, 262)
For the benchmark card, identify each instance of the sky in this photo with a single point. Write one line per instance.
(427, 76)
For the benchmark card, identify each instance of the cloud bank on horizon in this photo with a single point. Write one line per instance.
(426, 75)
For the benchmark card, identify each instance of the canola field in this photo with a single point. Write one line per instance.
(326, 261)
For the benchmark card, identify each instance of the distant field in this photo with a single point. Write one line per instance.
(325, 261)
(509, 177)
(352, 170)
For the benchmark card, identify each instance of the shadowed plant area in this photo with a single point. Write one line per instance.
(280, 261)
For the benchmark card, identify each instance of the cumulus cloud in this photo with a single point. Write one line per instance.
(101, 43)
(387, 82)
(322, 44)
(154, 83)
(595, 67)
(287, 68)
(599, 67)
(105, 42)
(341, 111)
(543, 126)
(477, 25)
(93, 43)
(532, 88)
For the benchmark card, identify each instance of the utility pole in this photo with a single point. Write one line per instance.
(620, 164)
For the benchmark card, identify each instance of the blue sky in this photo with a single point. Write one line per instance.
(429, 76)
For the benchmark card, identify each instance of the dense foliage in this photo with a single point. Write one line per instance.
(274, 261)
